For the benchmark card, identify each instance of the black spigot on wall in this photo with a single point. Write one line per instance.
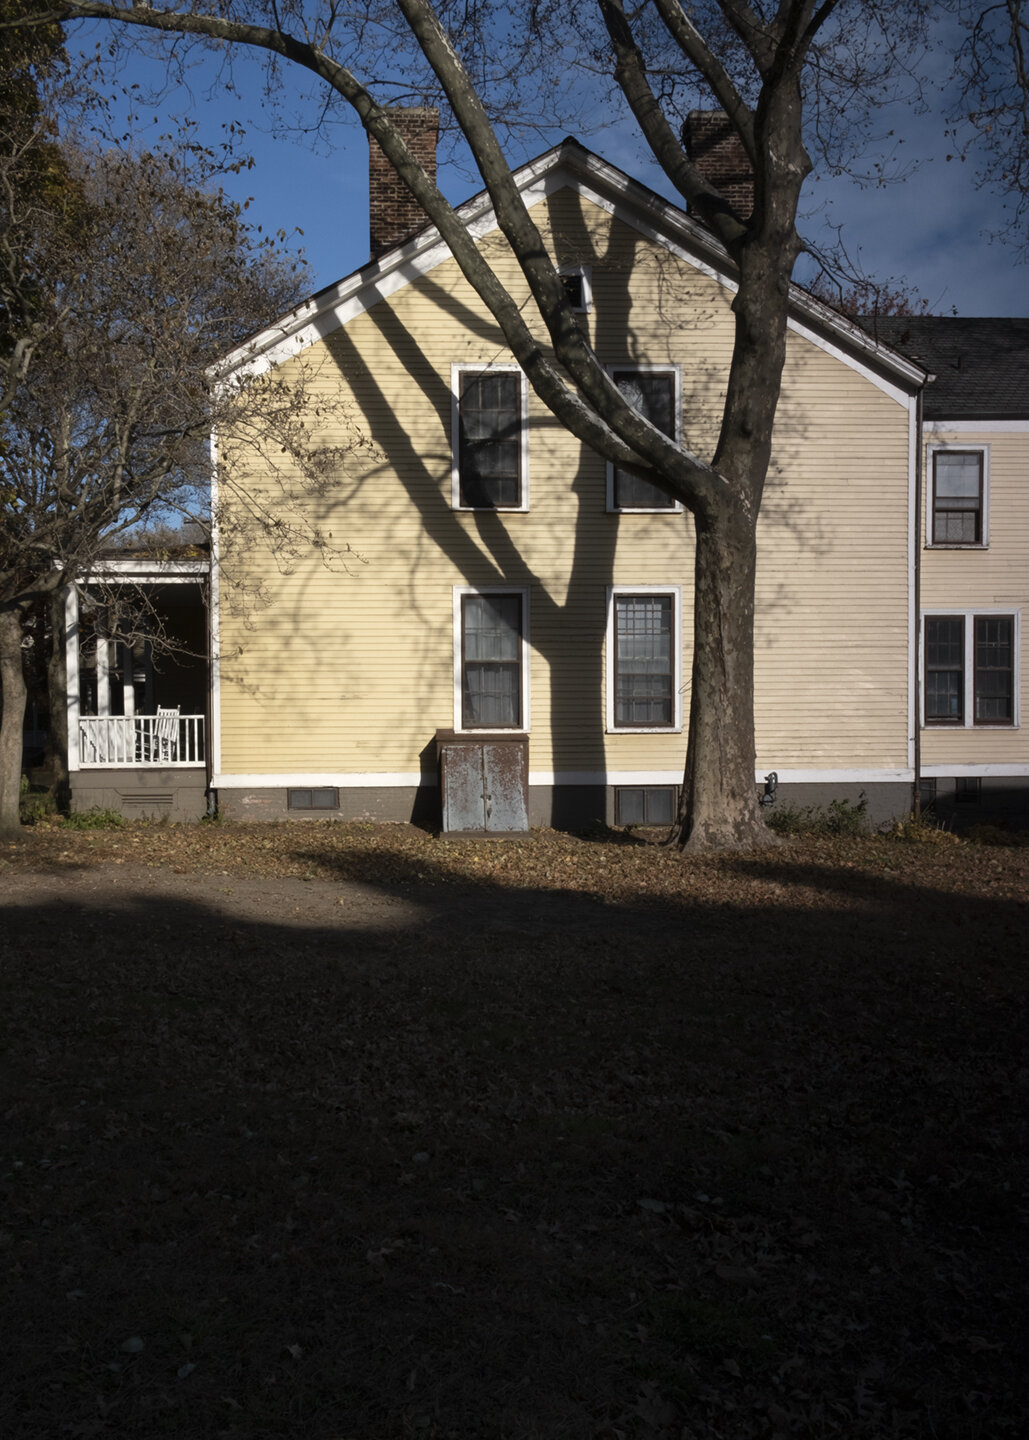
(771, 785)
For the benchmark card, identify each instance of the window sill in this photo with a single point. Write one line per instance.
(941, 545)
(943, 725)
(643, 730)
(490, 509)
(657, 510)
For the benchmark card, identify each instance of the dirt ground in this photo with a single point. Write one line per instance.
(348, 1133)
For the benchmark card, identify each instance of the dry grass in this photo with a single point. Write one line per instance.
(348, 1133)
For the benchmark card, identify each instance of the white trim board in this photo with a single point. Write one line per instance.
(934, 429)
(398, 779)
(214, 740)
(614, 592)
(914, 536)
(488, 367)
(460, 592)
(386, 780)
(171, 572)
(971, 772)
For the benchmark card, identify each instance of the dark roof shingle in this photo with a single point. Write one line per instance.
(981, 365)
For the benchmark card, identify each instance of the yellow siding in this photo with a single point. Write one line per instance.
(352, 672)
(994, 578)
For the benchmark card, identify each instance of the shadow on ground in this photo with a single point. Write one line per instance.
(495, 1163)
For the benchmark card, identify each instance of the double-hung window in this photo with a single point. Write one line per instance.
(970, 669)
(653, 390)
(490, 438)
(490, 649)
(643, 669)
(957, 514)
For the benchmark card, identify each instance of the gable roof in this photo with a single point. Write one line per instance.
(981, 366)
(567, 164)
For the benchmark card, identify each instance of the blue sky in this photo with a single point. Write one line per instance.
(931, 231)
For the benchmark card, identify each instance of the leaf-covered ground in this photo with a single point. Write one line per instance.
(345, 1132)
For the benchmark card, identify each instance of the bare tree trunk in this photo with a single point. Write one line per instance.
(14, 691)
(719, 808)
(57, 686)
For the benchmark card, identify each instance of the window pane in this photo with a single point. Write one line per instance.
(957, 476)
(653, 395)
(944, 670)
(491, 696)
(492, 661)
(660, 805)
(573, 290)
(489, 457)
(994, 670)
(629, 806)
(643, 660)
(957, 498)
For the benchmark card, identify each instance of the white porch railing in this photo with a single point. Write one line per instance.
(135, 741)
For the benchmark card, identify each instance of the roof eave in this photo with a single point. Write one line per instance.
(615, 186)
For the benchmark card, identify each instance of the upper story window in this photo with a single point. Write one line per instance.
(578, 286)
(653, 390)
(490, 463)
(971, 669)
(957, 499)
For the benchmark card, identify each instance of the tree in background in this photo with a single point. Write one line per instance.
(134, 275)
(788, 74)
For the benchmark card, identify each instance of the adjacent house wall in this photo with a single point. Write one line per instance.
(992, 578)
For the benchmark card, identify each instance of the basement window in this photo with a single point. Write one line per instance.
(644, 804)
(324, 798)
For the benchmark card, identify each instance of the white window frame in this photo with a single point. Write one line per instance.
(460, 591)
(613, 592)
(675, 508)
(586, 273)
(969, 614)
(464, 368)
(931, 452)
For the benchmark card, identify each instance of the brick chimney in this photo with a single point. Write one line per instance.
(717, 151)
(393, 212)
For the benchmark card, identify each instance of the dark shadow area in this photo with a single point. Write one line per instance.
(497, 1162)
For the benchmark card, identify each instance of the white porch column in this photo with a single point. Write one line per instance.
(103, 674)
(128, 689)
(71, 656)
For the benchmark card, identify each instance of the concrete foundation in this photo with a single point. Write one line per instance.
(173, 794)
(558, 807)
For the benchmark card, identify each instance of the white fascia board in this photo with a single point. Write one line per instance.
(165, 570)
(936, 430)
(665, 224)
(568, 164)
(679, 235)
(354, 294)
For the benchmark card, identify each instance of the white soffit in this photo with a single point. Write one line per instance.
(603, 185)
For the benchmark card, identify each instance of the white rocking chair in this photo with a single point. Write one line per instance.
(166, 734)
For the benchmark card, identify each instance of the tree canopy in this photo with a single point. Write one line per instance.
(127, 280)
